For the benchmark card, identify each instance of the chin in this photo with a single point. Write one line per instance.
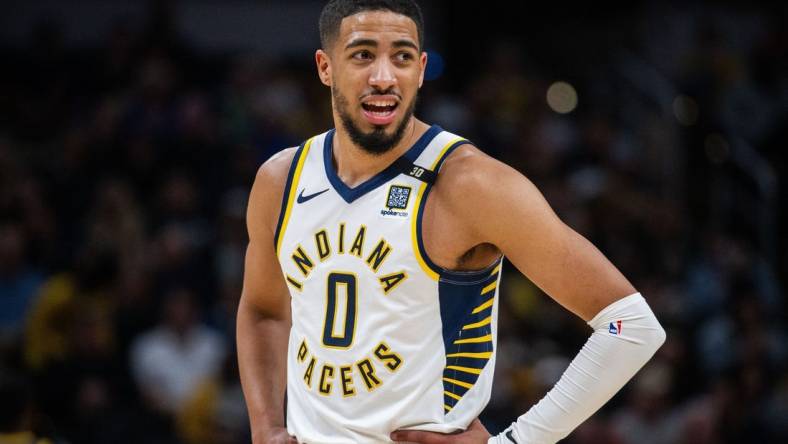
(388, 128)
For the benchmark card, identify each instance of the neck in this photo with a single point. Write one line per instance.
(354, 165)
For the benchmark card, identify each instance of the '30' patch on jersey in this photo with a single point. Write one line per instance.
(397, 199)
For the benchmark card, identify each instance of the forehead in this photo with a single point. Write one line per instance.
(377, 25)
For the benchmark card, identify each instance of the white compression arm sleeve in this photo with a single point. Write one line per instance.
(626, 335)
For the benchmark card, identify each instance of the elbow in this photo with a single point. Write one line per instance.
(631, 320)
(656, 337)
(659, 336)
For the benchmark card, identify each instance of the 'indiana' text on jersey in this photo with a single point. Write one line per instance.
(382, 337)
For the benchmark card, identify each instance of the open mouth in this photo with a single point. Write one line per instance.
(381, 108)
(380, 111)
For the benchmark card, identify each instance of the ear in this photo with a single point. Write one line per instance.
(323, 67)
(423, 63)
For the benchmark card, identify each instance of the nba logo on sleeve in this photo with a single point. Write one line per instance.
(397, 199)
(615, 329)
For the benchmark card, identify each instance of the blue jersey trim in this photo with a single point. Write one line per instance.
(351, 194)
(451, 276)
(466, 309)
(288, 185)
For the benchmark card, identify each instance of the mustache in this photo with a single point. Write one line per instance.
(379, 92)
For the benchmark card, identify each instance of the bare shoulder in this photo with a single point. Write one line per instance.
(486, 193)
(266, 195)
(467, 159)
(275, 169)
(469, 175)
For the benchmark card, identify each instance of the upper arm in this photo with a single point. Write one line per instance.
(502, 207)
(264, 288)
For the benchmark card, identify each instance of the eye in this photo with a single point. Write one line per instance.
(362, 55)
(404, 56)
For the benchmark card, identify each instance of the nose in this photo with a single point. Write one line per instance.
(383, 75)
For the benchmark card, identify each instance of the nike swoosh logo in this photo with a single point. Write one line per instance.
(509, 435)
(301, 198)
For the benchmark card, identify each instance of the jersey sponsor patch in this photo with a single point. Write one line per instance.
(398, 197)
(396, 201)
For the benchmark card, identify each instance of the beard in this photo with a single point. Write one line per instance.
(377, 141)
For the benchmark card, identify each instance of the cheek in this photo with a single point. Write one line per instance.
(411, 85)
(352, 85)
(413, 79)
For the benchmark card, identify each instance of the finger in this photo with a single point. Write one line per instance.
(417, 436)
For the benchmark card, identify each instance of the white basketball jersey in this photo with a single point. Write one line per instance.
(382, 337)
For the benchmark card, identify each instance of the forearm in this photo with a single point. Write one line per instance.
(262, 351)
(610, 357)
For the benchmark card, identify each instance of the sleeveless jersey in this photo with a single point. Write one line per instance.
(382, 338)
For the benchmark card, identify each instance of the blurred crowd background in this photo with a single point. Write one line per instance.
(130, 134)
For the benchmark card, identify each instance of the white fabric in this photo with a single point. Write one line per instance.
(407, 319)
(171, 367)
(626, 335)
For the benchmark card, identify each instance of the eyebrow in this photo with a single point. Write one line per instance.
(374, 44)
(405, 44)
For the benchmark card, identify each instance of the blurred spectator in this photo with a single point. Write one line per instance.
(170, 361)
(216, 413)
(59, 306)
(126, 160)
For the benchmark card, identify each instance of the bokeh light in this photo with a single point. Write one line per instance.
(562, 97)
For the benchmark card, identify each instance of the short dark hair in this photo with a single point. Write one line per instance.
(336, 10)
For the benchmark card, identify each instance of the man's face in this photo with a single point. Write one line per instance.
(375, 70)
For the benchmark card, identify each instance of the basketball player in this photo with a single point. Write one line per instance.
(371, 285)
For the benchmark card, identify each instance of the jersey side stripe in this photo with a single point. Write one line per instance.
(467, 308)
(290, 192)
(490, 287)
(484, 306)
(452, 395)
(482, 323)
(485, 338)
(477, 355)
(475, 371)
(456, 382)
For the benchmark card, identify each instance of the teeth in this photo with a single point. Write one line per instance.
(381, 103)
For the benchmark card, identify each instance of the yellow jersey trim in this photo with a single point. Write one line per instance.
(486, 338)
(484, 306)
(456, 382)
(490, 287)
(481, 323)
(419, 208)
(292, 193)
(475, 371)
(452, 395)
(479, 355)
